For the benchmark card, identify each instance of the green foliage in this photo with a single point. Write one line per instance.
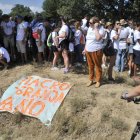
(109, 9)
(50, 8)
(1, 12)
(21, 10)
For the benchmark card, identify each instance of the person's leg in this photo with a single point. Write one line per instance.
(135, 69)
(55, 59)
(130, 64)
(6, 43)
(97, 58)
(118, 60)
(12, 47)
(90, 67)
(66, 58)
(111, 65)
(123, 58)
(104, 61)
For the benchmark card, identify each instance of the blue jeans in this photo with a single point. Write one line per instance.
(78, 50)
(120, 60)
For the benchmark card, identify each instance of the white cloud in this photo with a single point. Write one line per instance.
(6, 8)
(36, 9)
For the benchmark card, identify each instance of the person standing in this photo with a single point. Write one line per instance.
(122, 50)
(21, 38)
(8, 27)
(93, 50)
(64, 43)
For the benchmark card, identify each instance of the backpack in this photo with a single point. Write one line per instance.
(49, 40)
(70, 36)
(108, 49)
(35, 29)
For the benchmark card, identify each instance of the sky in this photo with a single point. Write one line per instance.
(7, 5)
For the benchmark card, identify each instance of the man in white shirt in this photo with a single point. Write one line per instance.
(8, 34)
(122, 49)
(4, 57)
(21, 38)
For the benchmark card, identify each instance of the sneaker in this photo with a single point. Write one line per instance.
(104, 66)
(54, 68)
(115, 69)
(129, 72)
(90, 84)
(125, 97)
(66, 71)
(98, 84)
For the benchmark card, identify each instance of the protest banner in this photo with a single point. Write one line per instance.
(35, 96)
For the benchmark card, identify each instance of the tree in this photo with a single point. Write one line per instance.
(1, 12)
(109, 9)
(21, 10)
(50, 8)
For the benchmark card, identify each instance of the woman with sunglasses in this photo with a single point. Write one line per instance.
(93, 50)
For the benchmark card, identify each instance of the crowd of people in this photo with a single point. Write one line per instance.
(112, 45)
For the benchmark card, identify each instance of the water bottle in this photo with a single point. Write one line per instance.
(84, 58)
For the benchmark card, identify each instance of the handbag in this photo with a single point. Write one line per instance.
(108, 49)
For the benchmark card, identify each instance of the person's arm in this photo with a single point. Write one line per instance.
(134, 92)
(97, 34)
(63, 35)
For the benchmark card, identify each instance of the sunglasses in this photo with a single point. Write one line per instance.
(90, 23)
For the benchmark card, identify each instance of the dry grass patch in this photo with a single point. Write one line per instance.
(119, 124)
(78, 105)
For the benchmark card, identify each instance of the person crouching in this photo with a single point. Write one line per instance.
(4, 57)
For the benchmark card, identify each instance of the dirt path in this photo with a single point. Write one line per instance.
(86, 113)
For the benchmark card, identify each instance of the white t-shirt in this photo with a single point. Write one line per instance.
(77, 35)
(54, 34)
(43, 32)
(92, 44)
(84, 23)
(5, 54)
(8, 27)
(64, 29)
(137, 46)
(123, 35)
(131, 35)
(116, 42)
(21, 31)
(136, 35)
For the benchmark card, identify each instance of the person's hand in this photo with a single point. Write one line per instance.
(23, 41)
(96, 25)
(0, 55)
(84, 52)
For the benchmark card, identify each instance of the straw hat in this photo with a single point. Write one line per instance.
(123, 22)
(108, 24)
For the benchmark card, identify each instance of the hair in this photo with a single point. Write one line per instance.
(64, 19)
(95, 19)
(77, 25)
(137, 24)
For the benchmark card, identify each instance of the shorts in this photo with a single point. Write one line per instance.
(136, 57)
(40, 48)
(21, 47)
(64, 45)
(54, 48)
(71, 47)
(130, 49)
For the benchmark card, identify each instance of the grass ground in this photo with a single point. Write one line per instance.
(86, 113)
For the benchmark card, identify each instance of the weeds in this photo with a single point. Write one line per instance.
(78, 105)
(119, 124)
